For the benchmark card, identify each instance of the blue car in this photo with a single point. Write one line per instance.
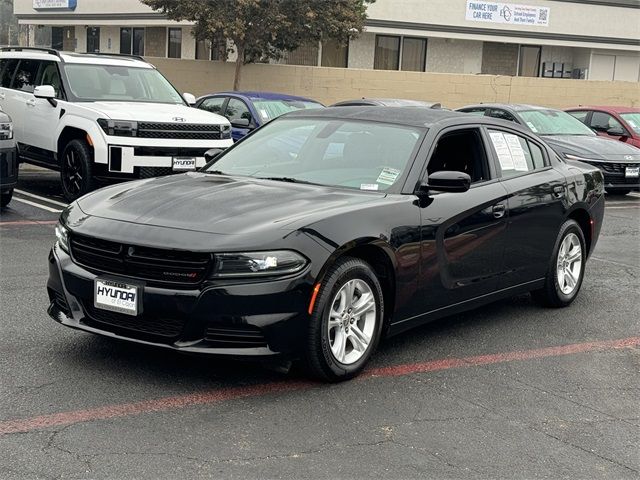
(248, 110)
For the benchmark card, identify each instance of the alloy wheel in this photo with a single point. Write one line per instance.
(569, 263)
(73, 172)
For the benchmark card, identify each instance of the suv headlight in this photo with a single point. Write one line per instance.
(119, 128)
(576, 157)
(225, 132)
(6, 130)
(62, 234)
(258, 264)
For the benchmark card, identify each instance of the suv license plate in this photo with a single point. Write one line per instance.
(184, 163)
(632, 172)
(116, 296)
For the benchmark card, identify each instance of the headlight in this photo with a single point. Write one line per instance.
(225, 132)
(576, 157)
(256, 264)
(119, 128)
(6, 131)
(62, 234)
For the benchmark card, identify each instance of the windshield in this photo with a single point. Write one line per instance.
(120, 83)
(554, 122)
(270, 109)
(633, 120)
(341, 153)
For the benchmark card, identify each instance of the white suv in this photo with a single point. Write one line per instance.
(99, 117)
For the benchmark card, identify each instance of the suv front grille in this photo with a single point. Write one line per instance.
(189, 131)
(164, 267)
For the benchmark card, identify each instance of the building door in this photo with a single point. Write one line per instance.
(57, 38)
(602, 67)
(529, 62)
(93, 39)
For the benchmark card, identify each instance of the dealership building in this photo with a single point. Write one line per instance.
(589, 39)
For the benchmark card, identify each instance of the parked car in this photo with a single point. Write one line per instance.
(301, 249)
(618, 123)
(248, 110)
(572, 140)
(8, 160)
(386, 102)
(102, 117)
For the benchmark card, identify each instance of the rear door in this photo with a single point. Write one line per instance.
(19, 94)
(536, 203)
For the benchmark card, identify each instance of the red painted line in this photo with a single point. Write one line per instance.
(217, 396)
(29, 222)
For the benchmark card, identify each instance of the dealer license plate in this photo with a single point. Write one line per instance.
(632, 172)
(184, 163)
(116, 296)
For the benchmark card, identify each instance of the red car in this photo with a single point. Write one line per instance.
(617, 123)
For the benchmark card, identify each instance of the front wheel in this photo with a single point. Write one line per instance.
(5, 197)
(346, 322)
(566, 269)
(76, 170)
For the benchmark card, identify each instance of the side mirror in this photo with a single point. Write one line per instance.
(445, 181)
(47, 92)
(241, 123)
(189, 98)
(212, 153)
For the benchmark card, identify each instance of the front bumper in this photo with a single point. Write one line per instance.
(8, 168)
(243, 320)
(615, 176)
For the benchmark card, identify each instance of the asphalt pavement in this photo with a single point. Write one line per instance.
(510, 390)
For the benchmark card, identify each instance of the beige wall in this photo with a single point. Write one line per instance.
(453, 56)
(329, 85)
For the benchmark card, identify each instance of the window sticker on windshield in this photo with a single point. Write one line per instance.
(502, 149)
(532, 127)
(388, 176)
(369, 186)
(517, 154)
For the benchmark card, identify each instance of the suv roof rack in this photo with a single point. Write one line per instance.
(108, 54)
(18, 48)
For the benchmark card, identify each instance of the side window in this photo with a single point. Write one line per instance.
(461, 151)
(581, 115)
(502, 115)
(213, 105)
(516, 155)
(7, 67)
(49, 75)
(25, 77)
(237, 110)
(602, 122)
(478, 112)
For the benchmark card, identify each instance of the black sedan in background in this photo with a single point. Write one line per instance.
(572, 140)
(8, 160)
(325, 230)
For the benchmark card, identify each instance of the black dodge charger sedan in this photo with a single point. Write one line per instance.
(324, 231)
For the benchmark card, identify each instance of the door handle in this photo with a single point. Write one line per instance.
(558, 191)
(31, 102)
(499, 210)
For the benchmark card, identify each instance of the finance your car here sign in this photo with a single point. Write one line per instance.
(510, 13)
(46, 4)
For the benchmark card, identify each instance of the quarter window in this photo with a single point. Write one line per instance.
(516, 155)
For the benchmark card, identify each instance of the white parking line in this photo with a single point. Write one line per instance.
(45, 199)
(37, 205)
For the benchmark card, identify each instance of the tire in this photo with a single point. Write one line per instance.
(5, 197)
(618, 192)
(76, 170)
(321, 360)
(563, 271)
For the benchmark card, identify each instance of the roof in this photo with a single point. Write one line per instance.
(517, 107)
(43, 53)
(610, 108)
(266, 96)
(387, 102)
(410, 116)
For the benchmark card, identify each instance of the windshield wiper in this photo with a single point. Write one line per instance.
(215, 172)
(287, 179)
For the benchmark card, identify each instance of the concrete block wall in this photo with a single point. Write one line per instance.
(329, 85)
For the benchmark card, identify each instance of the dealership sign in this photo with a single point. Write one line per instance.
(510, 13)
(47, 4)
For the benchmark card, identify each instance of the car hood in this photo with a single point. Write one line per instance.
(593, 148)
(220, 204)
(156, 112)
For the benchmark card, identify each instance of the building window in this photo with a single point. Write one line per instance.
(203, 50)
(57, 38)
(93, 39)
(414, 54)
(175, 43)
(132, 41)
(334, 54)
(303, 55)
(125, 40)
(387, 53)
(138, 41)
(529, 61)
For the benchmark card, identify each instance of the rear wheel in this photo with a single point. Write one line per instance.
(346, 322)
(621, 191)
(5, 197)
(76, 170)
(566, 270)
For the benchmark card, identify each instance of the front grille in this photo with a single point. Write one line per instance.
(150, 172)
(169, 152)
(121, 323)
(191, 131)
(618, 168)
(236, 336)
(164, 267)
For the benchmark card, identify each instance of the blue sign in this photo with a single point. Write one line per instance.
(55, 4)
